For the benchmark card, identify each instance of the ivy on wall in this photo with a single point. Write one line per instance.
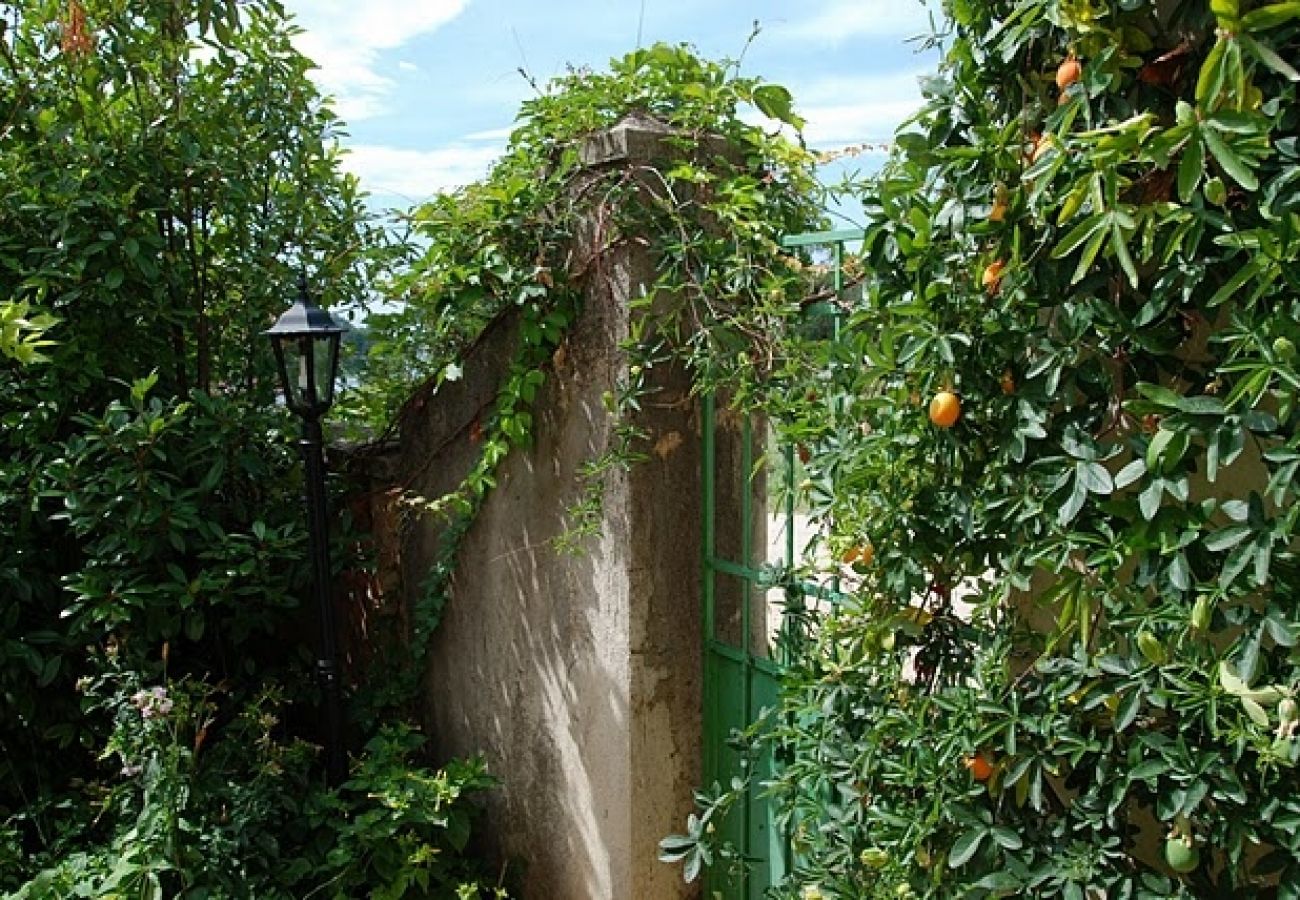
(510, 245)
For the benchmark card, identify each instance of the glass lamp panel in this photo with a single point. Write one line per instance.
(297, 353)
(324, 357)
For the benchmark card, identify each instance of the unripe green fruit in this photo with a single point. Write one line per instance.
(1181, 854)
(875, 858)
(1151, 648)
(1202, 610)
(1284, 348)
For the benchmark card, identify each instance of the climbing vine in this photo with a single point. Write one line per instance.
(1061, 416)
(713, 210)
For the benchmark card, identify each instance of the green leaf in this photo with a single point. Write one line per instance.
(1255, 711)
(694, 863)
(1000, 882)
(1119, 246)
(1227, 538)
(1190, 169)
(1236, 563)
(49, 671)
(1209, 81)
(1201, 405)
(1233, 164)
(1096, 478)
(1268, 56)
(1006, 838)
(1180, 573)
(1130, 473)
(1149, 499)
(966, 847)
(1088, 257)
(776, 102)
(1074, 503)
(1160, 395)
(1077, 235)
(1265, 18)
(1128, 710)
(1156, 449)
(1148, 770)
(1250, 270)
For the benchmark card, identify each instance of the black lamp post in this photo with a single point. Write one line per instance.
(306, 341)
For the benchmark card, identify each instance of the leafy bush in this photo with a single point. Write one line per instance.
(237, 813)
(396, 828)
(173, 539)
(153, 673)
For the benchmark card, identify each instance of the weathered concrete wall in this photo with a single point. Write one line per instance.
(577, 676)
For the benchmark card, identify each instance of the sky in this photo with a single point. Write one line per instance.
(430, 88)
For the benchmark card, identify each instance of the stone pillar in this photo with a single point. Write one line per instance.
(577, 676)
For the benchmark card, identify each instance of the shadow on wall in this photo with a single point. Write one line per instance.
(576, 675)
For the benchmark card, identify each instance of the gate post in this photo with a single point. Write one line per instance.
(578, 677)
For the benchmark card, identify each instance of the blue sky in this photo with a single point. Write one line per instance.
(429, 88)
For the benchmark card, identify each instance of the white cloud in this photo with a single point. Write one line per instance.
(841, 20)
(410, 176)
(866, 109)
(494, 134)
(845, 111)
(345, 39)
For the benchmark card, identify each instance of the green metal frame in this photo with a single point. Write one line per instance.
(739, 680)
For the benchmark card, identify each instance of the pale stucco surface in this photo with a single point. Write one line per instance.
(577, 676)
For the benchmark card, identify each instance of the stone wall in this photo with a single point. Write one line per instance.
(576, 675)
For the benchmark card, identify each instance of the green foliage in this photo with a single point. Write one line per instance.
(22, 335)
(157, 529)
(401, 829)
(1089, 579)
(187, 829)
(168, 503)
(163, 168)
(714, 209)
(173, 186)
(505, 243)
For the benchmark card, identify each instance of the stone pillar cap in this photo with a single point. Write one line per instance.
(641, 138)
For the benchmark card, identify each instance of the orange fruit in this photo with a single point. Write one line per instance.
(1033, 139)
(1001, 202)
(1068, 72)
(1042, 145)
(945, 409)
(979, 767)
(992, 277)
(863, 553)
(1008, 382)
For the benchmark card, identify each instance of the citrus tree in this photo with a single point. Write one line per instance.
(1062, 415)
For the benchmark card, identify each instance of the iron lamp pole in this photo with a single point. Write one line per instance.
(306, 342)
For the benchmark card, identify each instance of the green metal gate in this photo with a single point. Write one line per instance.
(744, 612)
